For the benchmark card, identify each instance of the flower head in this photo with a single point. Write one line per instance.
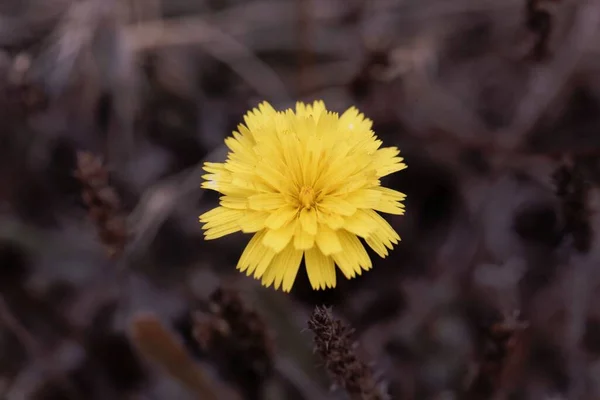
(307, 185)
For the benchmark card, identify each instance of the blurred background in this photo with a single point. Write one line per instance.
(109, 107)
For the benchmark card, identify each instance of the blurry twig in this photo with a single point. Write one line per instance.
(550, 80)
(14, 325)
(160, 200)
(451, 115)
(86, 46)
(193, 30)
(33, 348)
(156, 342)
(73, 38)
(34, 21)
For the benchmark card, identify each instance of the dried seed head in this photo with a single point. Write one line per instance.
(334, 344)
(102, 202)
(233, 333)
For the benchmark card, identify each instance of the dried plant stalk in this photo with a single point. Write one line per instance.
(103, 203)
(334, 344)
(500, 357)
(232, 332)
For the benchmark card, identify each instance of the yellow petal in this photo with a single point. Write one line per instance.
(252, 253)
(266, 201)
(383, 238)
(308, 220)
(379, 239)
(229, 188)
(328, 272)
(390, 193)
(220, 222)
(269, 275)
(385, 161)
(302, 239)
(260, 262)
(273, 178)
(354, 249)
(384, 227)
(253, 221)
(318, 268)
(235, 166)
(360, 223)
(277, 239)
(328, 241)
(213, 167)
(238, 203)
(221, 230)
(281, 216)
(390, 201)
(377, 246)
(293, 264)
(267, 260)
(390, 207)
(285, 268)
(332, 220)
(220, 214)
(348, 266)
(337, 205)
(364, 198)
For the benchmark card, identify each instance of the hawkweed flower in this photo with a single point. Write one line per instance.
(307, 184)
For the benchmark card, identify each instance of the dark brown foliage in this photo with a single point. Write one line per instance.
(237, 336)
(24, 95)
(499, 346)
(539, 22)
(572, 190)
(103, 203)
(334, 344)
(376, 61)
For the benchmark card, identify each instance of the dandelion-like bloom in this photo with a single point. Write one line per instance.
(307, 184)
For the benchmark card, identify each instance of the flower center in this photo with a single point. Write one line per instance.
(306, 197)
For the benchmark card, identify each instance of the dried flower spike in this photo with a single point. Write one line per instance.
(238, 337)
(307, 184)
(103, 203)
(334, 344)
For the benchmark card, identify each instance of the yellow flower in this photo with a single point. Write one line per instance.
(307, 184)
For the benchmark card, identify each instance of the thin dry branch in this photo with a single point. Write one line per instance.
(34, 349)
(549, 81)
(159, 201)
(157, 343)
(223, 47)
